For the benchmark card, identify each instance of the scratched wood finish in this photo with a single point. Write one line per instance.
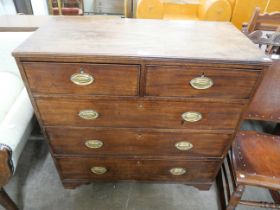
(137, 169)
(175, 81)
(139, 114)
(142, 88)
(191, 40)
(138, 142)
(54, 78)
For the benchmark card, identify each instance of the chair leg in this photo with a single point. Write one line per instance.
(236, 197)
(275, 195)
(6, 201)
(221, 190)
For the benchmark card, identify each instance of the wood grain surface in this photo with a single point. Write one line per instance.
(72, 37)
(175, 81)
(139, 114)
(137, 169)
(54, 78)
(265, 103)
(136, 142)
(142, 70)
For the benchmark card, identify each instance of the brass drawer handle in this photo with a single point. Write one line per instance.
(88, 114)
(82, 78)
(177, 171)
(202, 82)
(94, 144)
(98, 170)
(184, 145)
(192, 116)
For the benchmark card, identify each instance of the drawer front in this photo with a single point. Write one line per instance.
(137, 114)
(79, 78)
(175, 81)
(136, 169)
(92, 141)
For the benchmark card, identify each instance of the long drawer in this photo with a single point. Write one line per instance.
(137, 169)
(179, 81)
(138, 113)
(82, 78)
(102, 141)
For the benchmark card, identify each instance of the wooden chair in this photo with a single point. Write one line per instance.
(66, 7)
(263, 22)
(260, 23)
(255, 157)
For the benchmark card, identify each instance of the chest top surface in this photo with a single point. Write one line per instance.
(141, 39)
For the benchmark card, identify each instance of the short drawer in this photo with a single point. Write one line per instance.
(179, 81)
(102, 141)
(138, 114)
(82, 78)
(137, 169)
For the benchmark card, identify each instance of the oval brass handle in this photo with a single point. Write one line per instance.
(184, 145)
(202, 83)
(98, 170)
(192, 116)
(94, 144)
(177, 171)
(82, 79)
(88, 114)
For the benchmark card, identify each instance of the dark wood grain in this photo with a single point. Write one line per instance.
(175, 81)
(137, 169)
(67, 141)
(139, 114)
(139, 97)
(54, 78)
(265, 103)
(250, 146)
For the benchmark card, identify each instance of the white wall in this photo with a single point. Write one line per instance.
(88, 5)
(40, 7)
(7, 7)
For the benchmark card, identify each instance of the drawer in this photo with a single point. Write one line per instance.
(137, 169)
(82, 78)
(174, 81)
(93, 141)
(138, 114)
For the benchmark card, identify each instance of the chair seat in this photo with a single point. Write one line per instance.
(256, 159)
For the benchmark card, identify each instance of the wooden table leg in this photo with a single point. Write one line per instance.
(275, 196)
(6, 201)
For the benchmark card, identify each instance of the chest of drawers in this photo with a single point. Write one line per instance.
(139, 99)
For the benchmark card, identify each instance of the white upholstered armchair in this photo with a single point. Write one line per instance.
(16, 112)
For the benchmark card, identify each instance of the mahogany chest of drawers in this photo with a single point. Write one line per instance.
(144, 100)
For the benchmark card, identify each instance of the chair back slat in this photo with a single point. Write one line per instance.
(267, 21)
